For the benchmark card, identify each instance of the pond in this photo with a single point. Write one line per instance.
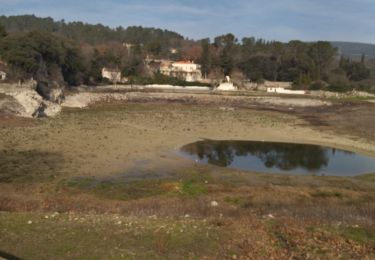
(273, 157)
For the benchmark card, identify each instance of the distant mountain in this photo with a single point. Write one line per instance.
(355, 50)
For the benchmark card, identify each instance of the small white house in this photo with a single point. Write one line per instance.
(286, 91)
(113, 75)
(3, 75)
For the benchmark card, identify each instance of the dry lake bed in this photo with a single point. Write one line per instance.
(109, 182)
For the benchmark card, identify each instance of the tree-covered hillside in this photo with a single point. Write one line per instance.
(93, 34)
(355, 50)
(74, 53)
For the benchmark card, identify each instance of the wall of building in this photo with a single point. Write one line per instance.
(277, 84)
(3, 75)
(111, 75)
(285, 91)
(187, 71)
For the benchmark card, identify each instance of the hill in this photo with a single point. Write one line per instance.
(355, 50)
(92, 34)
(74, 53)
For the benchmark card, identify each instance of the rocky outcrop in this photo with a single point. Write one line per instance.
(50, 91)
(227, 86)
(81, 100)
(50, 109)
(30, 101)
(24, 101)
(9, 105)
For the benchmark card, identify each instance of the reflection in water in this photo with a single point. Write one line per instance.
(279, 157)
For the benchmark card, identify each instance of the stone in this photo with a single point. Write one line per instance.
(214, 204)
(25, 103)
(227, 86)
(10, 105)
(51, 109)
(56, 95)
(50, 91)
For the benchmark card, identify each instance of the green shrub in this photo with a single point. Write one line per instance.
(193, 189)
(161, 79)
(339, 88)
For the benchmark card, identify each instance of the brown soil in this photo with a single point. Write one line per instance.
(120, 158)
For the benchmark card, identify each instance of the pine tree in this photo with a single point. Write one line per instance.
(3, 32)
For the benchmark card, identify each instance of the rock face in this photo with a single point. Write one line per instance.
(50, 109)
(81, 100)
(24, 101)
(30, 101)
(50, 91)
(9, 105)
(227, 86)
(21, 102)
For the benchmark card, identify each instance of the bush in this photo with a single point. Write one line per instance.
(339, 88)
(43, 56)
(316, 86)
(163, 80)
(365, 87)
(193, 189)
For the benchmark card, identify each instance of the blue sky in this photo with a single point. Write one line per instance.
(345, 20)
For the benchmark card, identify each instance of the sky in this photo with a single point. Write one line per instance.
(283, 20)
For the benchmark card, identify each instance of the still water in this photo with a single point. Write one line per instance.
(271, 157)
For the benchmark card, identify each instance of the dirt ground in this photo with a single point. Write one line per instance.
(102, 166)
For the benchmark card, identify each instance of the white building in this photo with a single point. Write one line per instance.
(3, 66)
(186, 70)
(113, 75)
(285, 91)
(278, 84)
(3, 75)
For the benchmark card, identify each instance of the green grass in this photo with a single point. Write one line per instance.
(356, 98)
(29, 166)
(193, 189)
(367, 177)
(67, 236)
(121, 190)
(117, 190)
(358, 234)
(242, 202)
(327, 194)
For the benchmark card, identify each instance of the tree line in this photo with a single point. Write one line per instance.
(313, 65)
(74, 53)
